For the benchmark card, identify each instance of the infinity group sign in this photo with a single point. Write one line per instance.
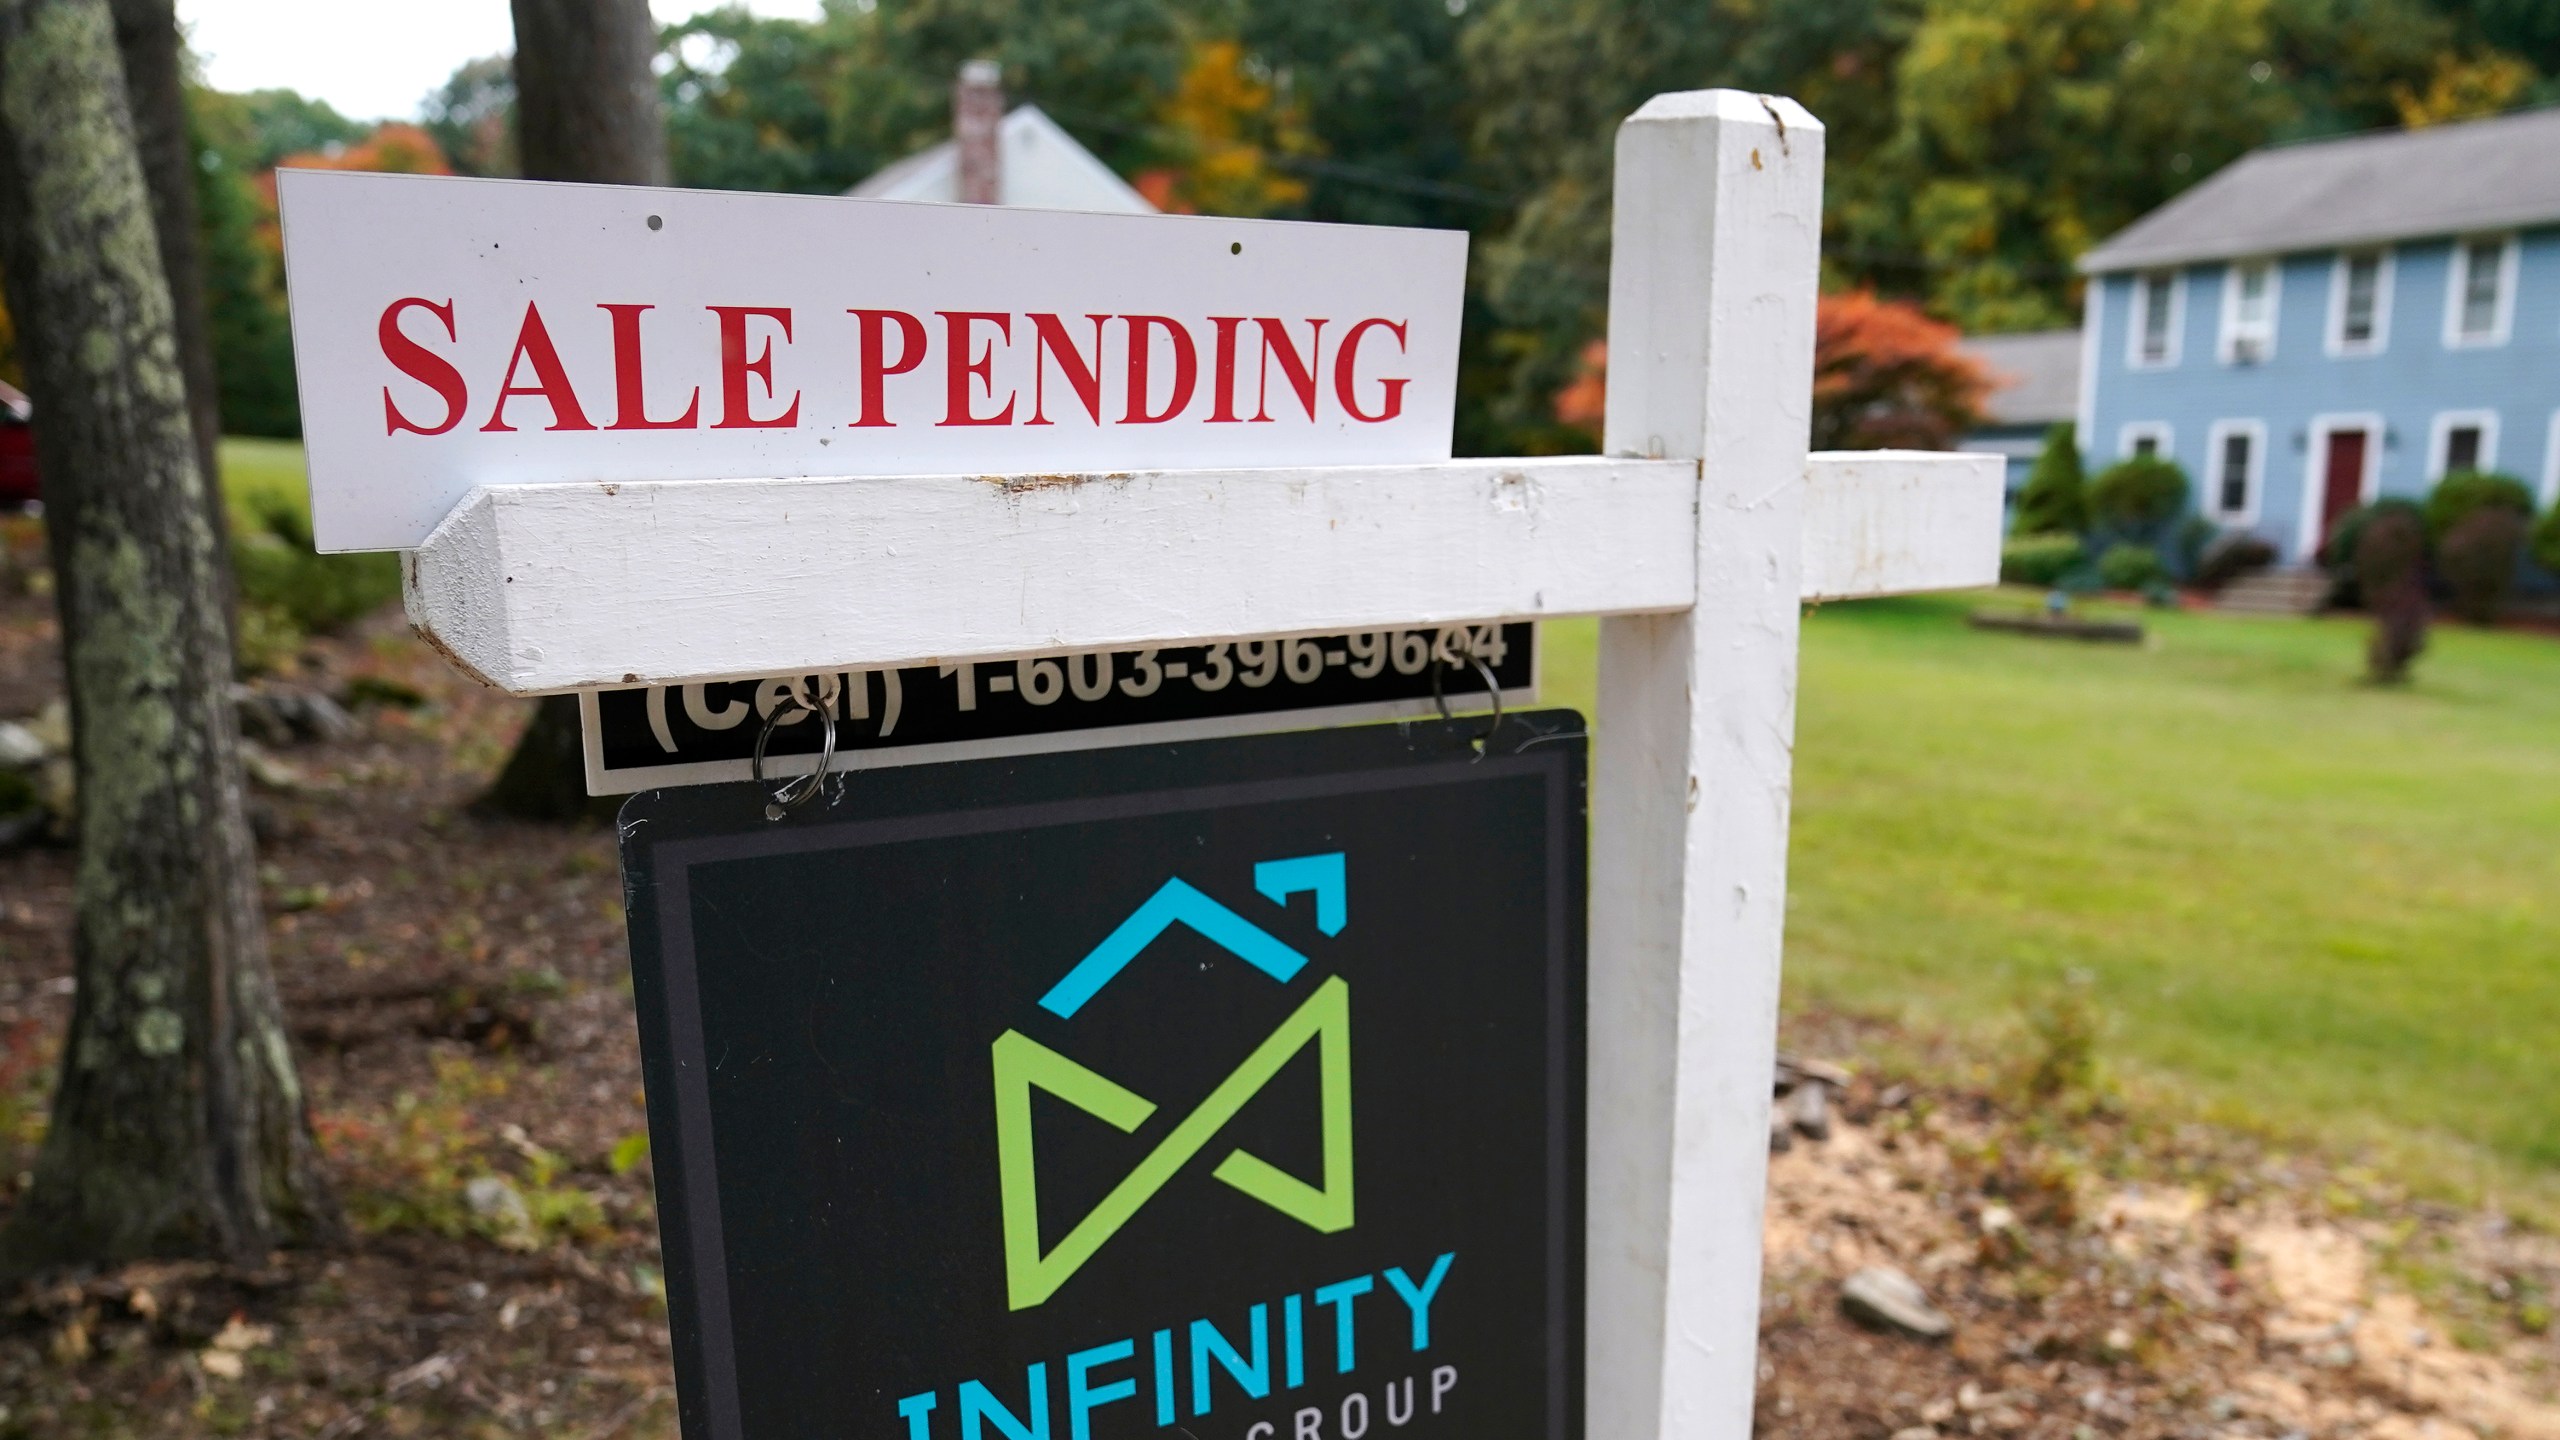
(1227, 1091)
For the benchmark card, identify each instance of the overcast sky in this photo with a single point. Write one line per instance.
(371, 59)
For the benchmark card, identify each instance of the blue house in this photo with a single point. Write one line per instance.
(2323, 323)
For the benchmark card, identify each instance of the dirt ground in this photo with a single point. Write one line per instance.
(459, 993)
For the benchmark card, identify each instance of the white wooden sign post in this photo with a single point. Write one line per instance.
(1697, 536)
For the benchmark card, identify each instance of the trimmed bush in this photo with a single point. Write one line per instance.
(2477, 558)
(2231, 556)
(2459, 495)
(2131, 567)
(2139, 495)
(2546, 541)
(2039, 560)
(2339, 555)
(2055, 500)
(2390, 560)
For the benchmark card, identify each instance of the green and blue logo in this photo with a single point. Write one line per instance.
(1324, 1019)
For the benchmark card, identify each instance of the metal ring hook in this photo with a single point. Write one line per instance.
(793, 793)
(1492, 690)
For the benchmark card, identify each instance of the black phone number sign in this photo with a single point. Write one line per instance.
(648, 736)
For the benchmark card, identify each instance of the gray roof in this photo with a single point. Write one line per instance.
(2365, 189)
(2036, 375)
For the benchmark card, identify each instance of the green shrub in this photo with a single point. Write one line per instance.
(2232, 556)
(2459, 494)
(2131, 567)
(2188, 541)
(2138, 495)
(2055, 500)
(2038, 559)
(2546, 541)
(2339, 554)
(2477, 558)
(286, 588)
(2390, 560)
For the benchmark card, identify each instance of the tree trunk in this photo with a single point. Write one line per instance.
(178, 1125)
(586, 109)
(155, 90)
(586, 99)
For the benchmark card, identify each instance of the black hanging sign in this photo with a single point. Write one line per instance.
(1228, 1090)
(697, 734)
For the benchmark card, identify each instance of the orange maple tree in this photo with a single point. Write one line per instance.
(1885, 376)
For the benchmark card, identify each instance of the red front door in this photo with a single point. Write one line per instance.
(2342, 479)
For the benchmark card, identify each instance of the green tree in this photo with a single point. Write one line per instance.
(472, 117)
(277, 123)
(1551, 80)
(2055, 499)
(243, 273)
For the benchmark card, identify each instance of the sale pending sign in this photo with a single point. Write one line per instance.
(452, 333)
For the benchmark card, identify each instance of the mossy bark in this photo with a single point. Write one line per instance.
(155, 92)
(586, 110)
(178, 1123)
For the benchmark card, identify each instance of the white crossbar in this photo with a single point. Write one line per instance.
(540, 588)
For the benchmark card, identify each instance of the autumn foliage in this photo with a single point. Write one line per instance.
(1885, 376)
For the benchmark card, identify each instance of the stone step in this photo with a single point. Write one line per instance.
(2275, 592)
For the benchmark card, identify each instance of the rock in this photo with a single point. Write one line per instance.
(1810, 1108)
(1822, 1070)
(274, 774)
(1886, 1299)
(315, 716)
(52, 727)
(261, 719)
(494, 1198)
(20, 747)
(1916, 1432)
(279, 716)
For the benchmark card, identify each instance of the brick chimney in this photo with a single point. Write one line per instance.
(977, 120)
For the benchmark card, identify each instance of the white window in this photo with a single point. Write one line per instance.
(2146, 439)
(2480, 294)
(2159, 306)
(2360, 303)
(2249, 294)
(2551, 464)
(2463, 440)
(2235, 462)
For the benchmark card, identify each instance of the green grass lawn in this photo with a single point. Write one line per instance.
(2298, 899)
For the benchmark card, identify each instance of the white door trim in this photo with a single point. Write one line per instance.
(2315, 471)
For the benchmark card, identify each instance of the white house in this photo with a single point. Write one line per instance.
(996, 157)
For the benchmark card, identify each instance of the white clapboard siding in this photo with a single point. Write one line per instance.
(538, 588)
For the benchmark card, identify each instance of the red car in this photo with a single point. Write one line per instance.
(17, 451)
